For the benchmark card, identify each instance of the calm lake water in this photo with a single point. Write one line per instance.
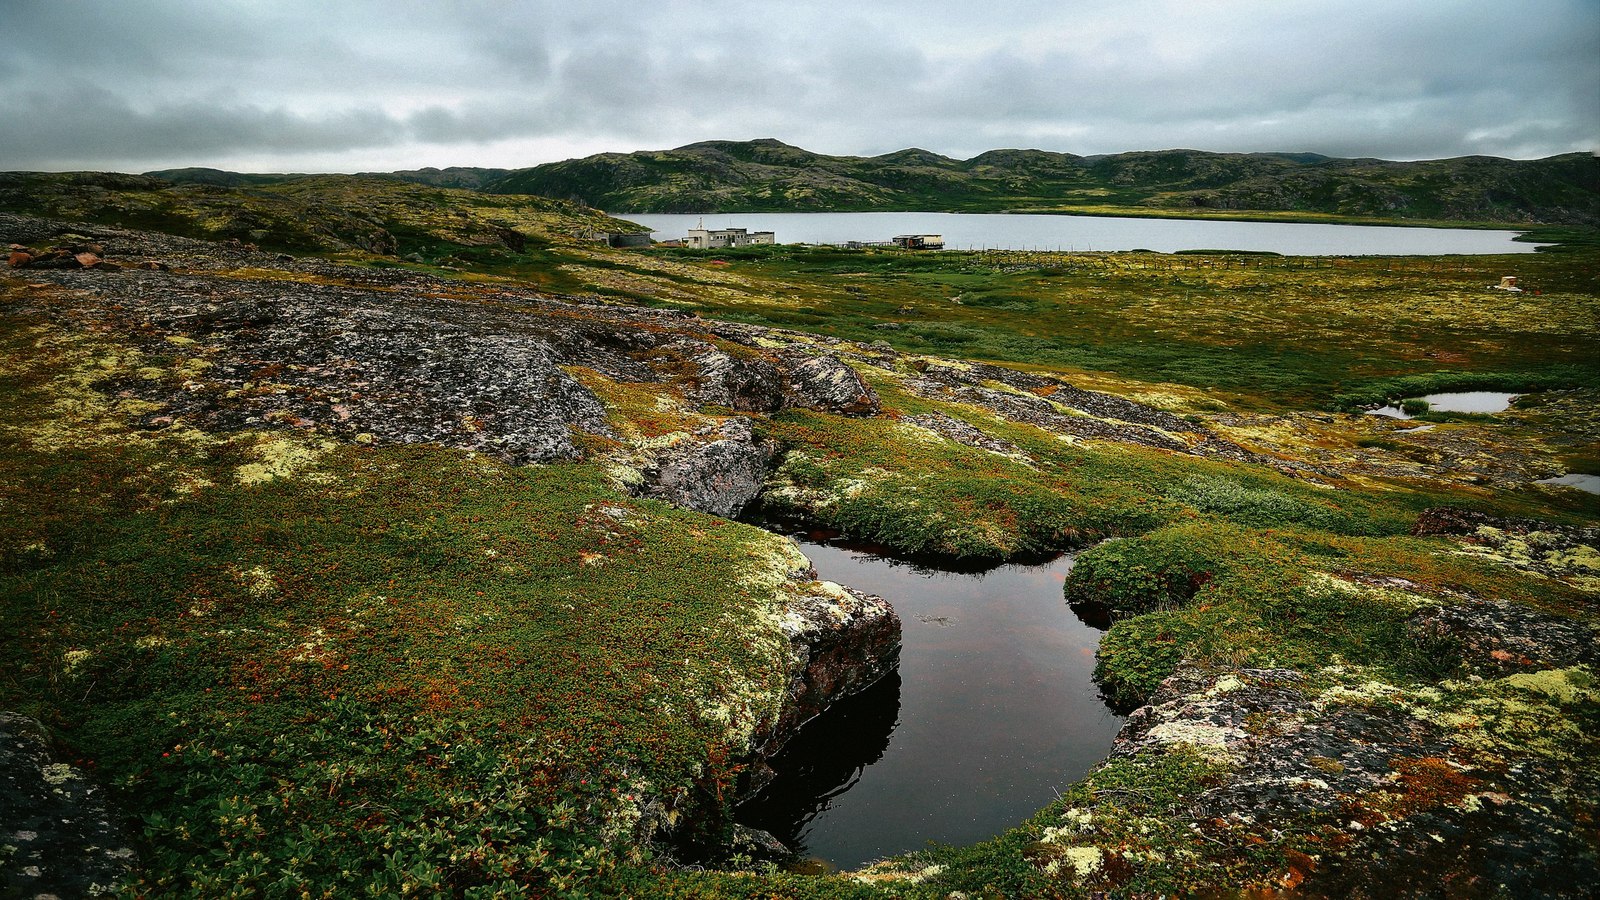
(991, 711)
(1459, 401)
(963, 231)
(1582, 482)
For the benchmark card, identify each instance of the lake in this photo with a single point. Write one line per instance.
(992, 710)
(977, 231)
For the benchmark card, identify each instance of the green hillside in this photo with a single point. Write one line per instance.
(304, 213)
(769, 176)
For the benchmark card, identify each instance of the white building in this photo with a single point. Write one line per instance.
(717, 238)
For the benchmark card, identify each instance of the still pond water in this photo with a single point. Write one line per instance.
(1459, 401)
(976, 231)
(992, 710)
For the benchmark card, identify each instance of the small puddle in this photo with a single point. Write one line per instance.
(1590, 483)
(1461, 401)
(992, 710)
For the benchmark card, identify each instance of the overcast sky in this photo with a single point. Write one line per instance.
(330, 85)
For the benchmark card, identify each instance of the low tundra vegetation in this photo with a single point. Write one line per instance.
(309, 668)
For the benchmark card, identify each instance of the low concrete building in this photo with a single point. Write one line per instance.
(920, 241)
(718, 238)
(616, 238)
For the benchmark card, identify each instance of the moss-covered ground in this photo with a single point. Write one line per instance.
(348, 670)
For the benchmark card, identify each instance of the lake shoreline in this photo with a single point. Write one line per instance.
(1083, 232)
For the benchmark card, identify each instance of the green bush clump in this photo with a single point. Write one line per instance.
(1414, 406)
(1260, 507)
(1166, 568)
(369, 804)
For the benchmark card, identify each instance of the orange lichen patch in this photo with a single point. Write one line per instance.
(637, 410)
(1421, 784)
(1300, 865)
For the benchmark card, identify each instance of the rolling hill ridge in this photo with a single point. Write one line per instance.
(769, 176)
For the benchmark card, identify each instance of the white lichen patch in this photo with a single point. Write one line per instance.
(1392, 595)
(746, 697)
(1521, 714)
(314, 649)
(1210, 740)
(284, 456)
(885, 873)
(259, 583)
(72, 659)
(1084, 862)
(1227, 684)
(59, 773)
(1563, 686)
(1074, 822)
(1539, 553)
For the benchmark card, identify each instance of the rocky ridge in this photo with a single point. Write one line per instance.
(397, 357)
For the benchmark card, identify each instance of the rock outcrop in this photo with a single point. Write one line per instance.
(1499, 637)
(57, 839)
(718, 472)
(841, 642)
(823, 383)
(1393, 791)
(395, 357)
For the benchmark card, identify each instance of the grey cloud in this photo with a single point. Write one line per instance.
(172, 82)
(98, 125)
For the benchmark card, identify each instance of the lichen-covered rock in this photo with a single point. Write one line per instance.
(1498, 637)
(1394, 791)
(1564, 552)
(843, 641)
(823, 383)
(56, 836)
(1098, 418)
(718, 471)
(964, 433)
(746, 385)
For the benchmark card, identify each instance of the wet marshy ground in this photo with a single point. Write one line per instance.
(992, 709)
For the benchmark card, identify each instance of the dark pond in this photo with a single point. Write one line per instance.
(992, 711)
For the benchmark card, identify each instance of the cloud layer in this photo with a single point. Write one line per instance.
(311, 86)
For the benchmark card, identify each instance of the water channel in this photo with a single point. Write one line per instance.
(991, 711)
(976, 231)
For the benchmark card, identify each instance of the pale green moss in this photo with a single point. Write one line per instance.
(284, 456)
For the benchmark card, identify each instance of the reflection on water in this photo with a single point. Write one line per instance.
(993, 709)
(1460, 401)
(826, 759)
(1590, 483)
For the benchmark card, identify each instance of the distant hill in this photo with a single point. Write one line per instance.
(467, 177)
(305, 213)
(470, 178)
(769, 176)
(218, 177)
